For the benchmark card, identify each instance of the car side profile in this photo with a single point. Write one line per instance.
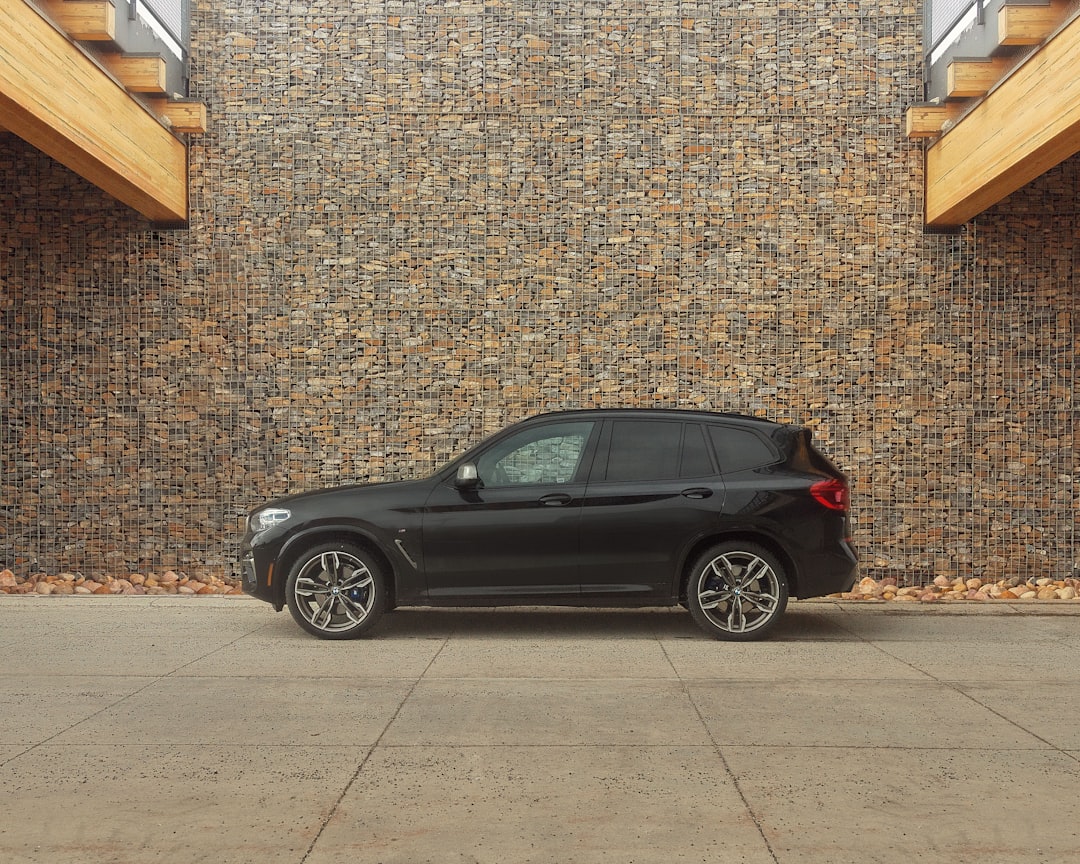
(725, 514)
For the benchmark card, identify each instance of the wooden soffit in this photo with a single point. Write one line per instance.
(1028, 123)
(53, 96)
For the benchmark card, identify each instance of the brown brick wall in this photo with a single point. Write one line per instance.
(414, 222)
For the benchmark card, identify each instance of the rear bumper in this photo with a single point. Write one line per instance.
(828, 572)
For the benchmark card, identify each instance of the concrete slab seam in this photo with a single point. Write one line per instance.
(718, 750)
(367, 756)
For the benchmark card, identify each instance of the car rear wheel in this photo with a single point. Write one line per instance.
(336, 591)
(737, 591)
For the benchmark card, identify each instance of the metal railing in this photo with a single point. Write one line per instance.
(942, 16)
(171, 16)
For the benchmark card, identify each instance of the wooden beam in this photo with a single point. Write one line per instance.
(1028, 24)
(83, 20)
(57, 99)
(139, 73)
(971, 77)
(183, 115)
(925, 120)
(1029, 124)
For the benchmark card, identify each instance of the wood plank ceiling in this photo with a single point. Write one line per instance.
(1005, 120)
(78, 104)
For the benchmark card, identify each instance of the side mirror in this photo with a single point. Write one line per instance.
(467, 478)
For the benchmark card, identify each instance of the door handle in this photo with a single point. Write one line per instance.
(556, 499)
(697, 492)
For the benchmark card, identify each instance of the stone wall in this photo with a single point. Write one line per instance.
(413, 222)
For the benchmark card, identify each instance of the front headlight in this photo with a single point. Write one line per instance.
(268, 518)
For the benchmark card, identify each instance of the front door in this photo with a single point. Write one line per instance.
(517, 533)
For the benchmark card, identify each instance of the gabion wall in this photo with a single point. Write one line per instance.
(414, 222)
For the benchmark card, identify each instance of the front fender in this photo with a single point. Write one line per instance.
(400, 558)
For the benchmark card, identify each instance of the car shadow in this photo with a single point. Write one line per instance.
(581, 623)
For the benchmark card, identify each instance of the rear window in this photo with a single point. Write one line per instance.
(740, 449)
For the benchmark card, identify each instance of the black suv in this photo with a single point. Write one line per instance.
(722, 513)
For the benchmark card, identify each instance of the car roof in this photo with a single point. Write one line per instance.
(659, 413)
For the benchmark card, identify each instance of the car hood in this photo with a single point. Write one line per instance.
(388, 489)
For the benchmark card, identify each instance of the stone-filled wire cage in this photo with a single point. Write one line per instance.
(414, 222)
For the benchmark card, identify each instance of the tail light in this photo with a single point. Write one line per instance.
(832, 493)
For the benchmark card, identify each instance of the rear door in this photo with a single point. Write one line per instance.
(653, 492)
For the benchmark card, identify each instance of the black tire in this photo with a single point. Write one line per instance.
(737, 591)
(336, 591)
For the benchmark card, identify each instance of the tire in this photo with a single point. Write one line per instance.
(737, 591)
(336, 591)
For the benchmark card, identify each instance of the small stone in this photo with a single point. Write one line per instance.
(973, 584)
(1047, 593)
(1028, 595)
(185, 589)
(942, 581)
(7, 579)
(1007, 595)
(1067, 593)
(43, 588)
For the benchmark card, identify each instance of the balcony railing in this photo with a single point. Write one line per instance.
(170, 19)
(157, 27)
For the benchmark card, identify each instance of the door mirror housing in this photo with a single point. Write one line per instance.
(467, 477)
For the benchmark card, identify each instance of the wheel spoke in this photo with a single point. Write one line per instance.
(764, 602)
(736, 620)
(307, 586)
(722, 568)
(753, 572)
(712, 599)
(350, 606)
(326, 609)
(357, 579)
(331, 565)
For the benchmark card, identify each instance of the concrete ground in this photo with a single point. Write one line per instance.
(214, 730)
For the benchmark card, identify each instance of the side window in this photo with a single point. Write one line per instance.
(695, 455)
(740, 449)
(547, 454)
(644, 450)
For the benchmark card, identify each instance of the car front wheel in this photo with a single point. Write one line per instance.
(737, 591)
(336, 591)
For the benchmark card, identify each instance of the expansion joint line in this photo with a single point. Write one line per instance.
(723, 761)
(961, 692)
(367, 756)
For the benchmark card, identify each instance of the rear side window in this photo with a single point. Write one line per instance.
(695, 455)
(740, 449)
(642, 450)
